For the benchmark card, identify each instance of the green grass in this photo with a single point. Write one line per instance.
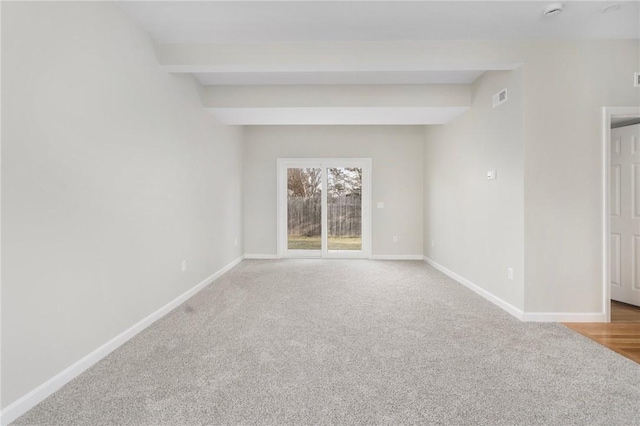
(335, 243)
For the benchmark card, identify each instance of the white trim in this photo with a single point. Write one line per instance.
(372, 257)
(396, 257)
(31, 399)
(518, 313)
(260, 256)
(607, 113)
(564, 316)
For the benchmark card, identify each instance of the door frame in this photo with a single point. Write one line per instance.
(607, 114)
(281, 185)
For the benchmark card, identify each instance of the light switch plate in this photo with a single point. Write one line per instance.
(380, 205)
(492, 175)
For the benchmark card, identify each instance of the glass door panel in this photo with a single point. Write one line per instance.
(344, 208)
(304, 209)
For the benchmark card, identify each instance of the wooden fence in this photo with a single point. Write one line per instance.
(305, 216)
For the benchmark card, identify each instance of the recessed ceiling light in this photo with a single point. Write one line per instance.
(553, 9)
(611, 8)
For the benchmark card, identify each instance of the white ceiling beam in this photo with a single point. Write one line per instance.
(336, 116)
(341, 56)
(331, 96)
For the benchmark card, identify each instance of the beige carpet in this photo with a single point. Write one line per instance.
(348, 342)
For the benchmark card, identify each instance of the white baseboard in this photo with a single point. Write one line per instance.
(30, 400)
(518, 313)
(565, 317)
(373, 256)
(260, 256)
(396, 257)
(521, 315)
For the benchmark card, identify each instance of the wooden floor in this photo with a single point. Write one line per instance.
(621, 335)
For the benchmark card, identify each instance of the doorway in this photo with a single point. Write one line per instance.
(324, 208)
(621, 239)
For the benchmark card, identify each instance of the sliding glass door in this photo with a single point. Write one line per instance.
(324, 207)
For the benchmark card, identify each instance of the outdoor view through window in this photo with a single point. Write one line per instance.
(344, 208)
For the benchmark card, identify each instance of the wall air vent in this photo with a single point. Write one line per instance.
(500, 98)
(636, 79)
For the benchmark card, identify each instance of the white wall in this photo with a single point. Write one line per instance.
(477, 225)
(566, 86)
(396, 153)
(112, 174)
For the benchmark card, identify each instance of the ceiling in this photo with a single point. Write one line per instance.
(307, 21)
(229, 24)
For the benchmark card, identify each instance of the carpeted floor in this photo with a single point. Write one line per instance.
(348, 342)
